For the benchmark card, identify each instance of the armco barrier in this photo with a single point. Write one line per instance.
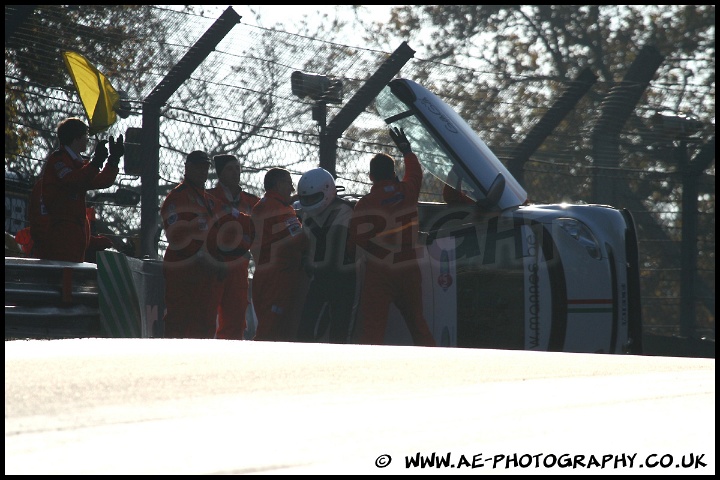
(120, 297)
(50, 299)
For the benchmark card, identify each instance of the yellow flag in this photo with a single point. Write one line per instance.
(98, 96)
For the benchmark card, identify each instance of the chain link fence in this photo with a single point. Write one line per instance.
(239, 100)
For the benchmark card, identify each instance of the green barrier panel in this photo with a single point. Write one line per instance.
(120, 315)
(132, 302)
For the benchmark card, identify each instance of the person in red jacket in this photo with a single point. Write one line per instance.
(195, 262)
(233, 291)
(59, 225)
(277, 250)
(384, 227)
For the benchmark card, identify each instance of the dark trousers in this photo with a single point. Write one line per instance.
(328, 304)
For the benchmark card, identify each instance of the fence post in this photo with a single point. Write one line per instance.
(575, 90)
(151, 124)
(360, 101)
(688, 244)
(691, 172)
(614, 112)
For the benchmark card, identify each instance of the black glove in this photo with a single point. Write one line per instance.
(101, 153)
(398, 136)
(117, 150)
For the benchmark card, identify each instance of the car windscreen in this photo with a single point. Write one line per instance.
(447, 147)
(430, 149)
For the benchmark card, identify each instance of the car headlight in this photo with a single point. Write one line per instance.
(580, 232)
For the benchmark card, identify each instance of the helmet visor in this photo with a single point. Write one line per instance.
(312, 199)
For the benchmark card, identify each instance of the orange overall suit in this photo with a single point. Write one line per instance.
(278, 249)
(58, 218)
(194, 264)
(385, 226)
(233, 291)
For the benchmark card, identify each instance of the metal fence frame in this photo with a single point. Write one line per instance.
(669, 249)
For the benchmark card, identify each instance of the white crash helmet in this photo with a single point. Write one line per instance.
(316, 190)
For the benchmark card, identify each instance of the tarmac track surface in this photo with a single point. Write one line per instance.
(162, 406)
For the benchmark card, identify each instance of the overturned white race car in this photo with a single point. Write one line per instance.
(499, 273)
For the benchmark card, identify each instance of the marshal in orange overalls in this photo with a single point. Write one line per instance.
(278, 249)
(384, 226)
(233, 291)
(58, 218)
